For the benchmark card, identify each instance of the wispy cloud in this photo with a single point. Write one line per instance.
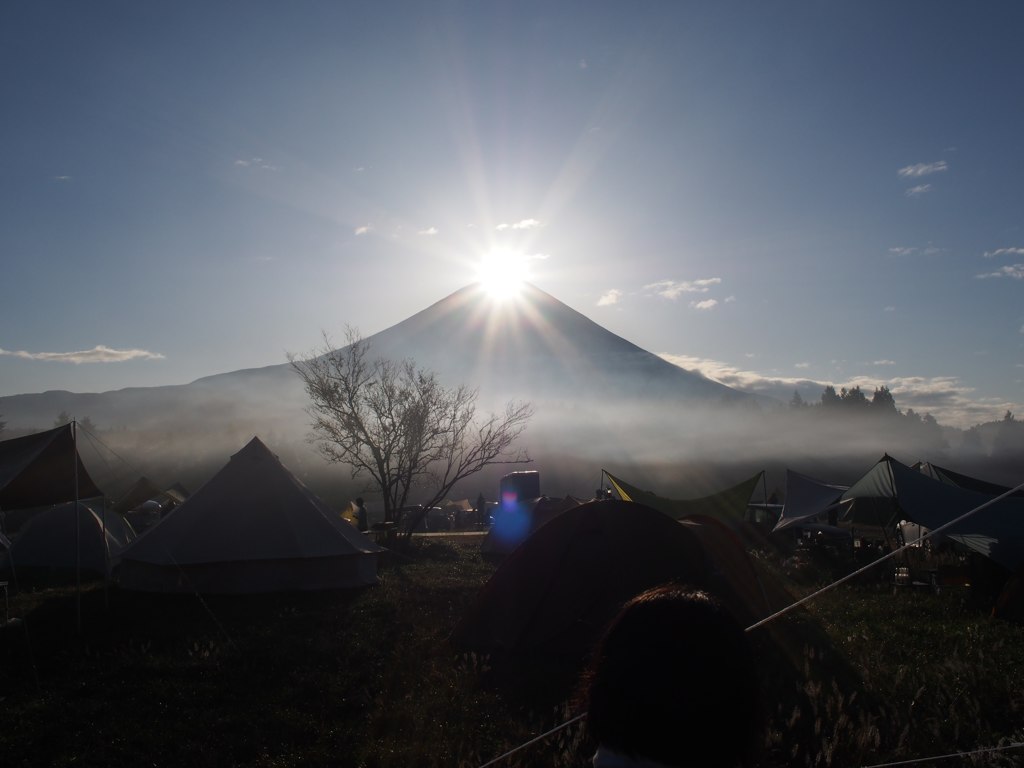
(255, 162)
(429, 231)
(365, 229)
(890, 308)
(673, 289)
(62, 178)
(918, 170)
(1004, 252)
(610, 297)
(704, 305)
(900, 251)
(98, 354)
(883, 362)
(920, 189)
(1015, 271)
(524, 224)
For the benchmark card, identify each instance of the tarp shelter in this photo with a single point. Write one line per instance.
(728, 504)
(61, 538)
(253, 527)
(892, 491)
(43, 469)
(514, 523)
(807, 498)
(557, 591)
(950, 477)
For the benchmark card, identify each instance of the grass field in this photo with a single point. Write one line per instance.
(367, 678)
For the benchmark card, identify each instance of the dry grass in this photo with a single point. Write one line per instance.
(367, 678)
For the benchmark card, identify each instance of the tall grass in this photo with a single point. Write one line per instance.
(367, 678)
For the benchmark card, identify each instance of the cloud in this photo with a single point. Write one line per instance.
(524, 224)
(583, 64)
(610, 297)
(706, 304)
(890, 308)
(673, 289)
(920, 189)
(430, 231)
(918, 170)
(1016, 271)
(902, 251)
(945, 397)
(1004, 252)
(883, 362)
(62, 178)
(363, 230)
(255, 162)
(98, 354)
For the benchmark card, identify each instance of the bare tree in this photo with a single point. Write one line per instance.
(398, 425)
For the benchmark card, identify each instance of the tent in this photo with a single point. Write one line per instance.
(950, 477)
(253, 527)
(892, 491)
(142, 490)
(42, 469)
(558, 590)
(807, 498)
(60, 539)
(514, 523)
(729, 504)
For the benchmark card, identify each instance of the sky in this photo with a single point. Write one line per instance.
(779, 195)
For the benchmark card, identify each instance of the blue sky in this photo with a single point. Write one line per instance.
(778, 194)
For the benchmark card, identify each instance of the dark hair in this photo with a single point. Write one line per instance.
(673, 680)
(359, 501)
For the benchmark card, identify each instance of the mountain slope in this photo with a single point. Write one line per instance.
(535, 348)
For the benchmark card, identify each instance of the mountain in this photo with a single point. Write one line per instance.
(534, 348)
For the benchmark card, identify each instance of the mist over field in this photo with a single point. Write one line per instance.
(599, 402)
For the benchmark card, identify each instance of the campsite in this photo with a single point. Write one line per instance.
(283, 636)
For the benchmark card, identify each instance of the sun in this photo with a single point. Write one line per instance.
(502, 272)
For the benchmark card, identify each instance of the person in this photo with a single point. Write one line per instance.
(362, 523)
(673, 683)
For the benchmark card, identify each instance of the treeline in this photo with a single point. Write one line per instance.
(880, 411)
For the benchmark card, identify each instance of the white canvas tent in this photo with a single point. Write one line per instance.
(253, 527)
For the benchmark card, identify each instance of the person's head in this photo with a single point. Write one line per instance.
(673, 680)
(359, 502)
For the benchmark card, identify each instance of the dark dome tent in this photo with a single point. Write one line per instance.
(557, 591)
(56, 542)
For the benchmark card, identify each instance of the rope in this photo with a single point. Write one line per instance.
(534, 740)
(885, 557)
(807, 599)
(1015, 745)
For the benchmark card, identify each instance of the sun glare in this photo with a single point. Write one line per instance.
(502, 273)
